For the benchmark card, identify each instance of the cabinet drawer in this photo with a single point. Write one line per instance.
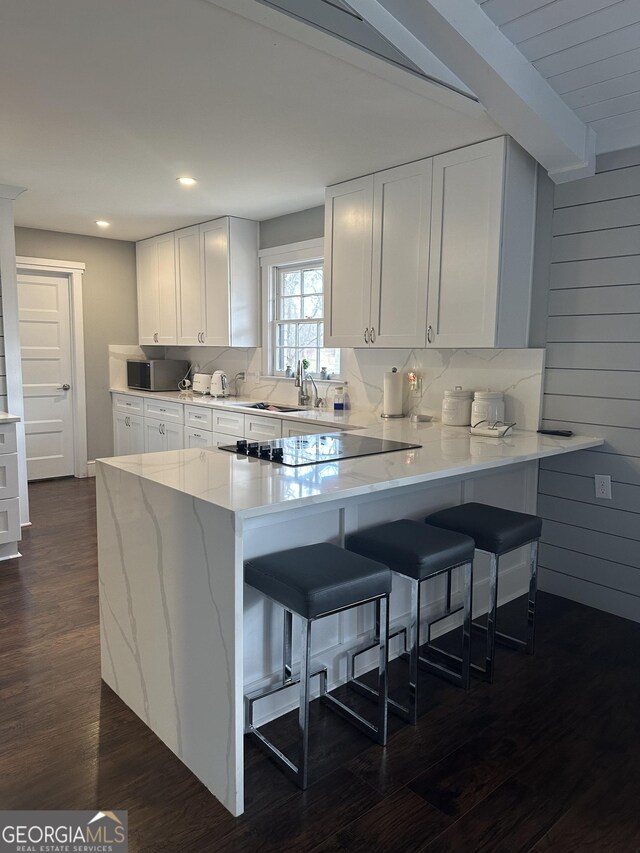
(163, 411)
(8, 438)
(195, 437)
(199, 417)
(290, 428)
(220, 438)
(10, 520)
(261, 427)
(127, 403)
(9, 475)
(231, 423)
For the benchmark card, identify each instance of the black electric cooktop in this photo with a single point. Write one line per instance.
(315, 449)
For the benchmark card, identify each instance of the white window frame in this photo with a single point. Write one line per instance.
(304, 252)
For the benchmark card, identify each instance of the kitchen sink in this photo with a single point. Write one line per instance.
(269, 407)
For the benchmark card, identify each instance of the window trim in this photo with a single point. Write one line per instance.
(306, 251)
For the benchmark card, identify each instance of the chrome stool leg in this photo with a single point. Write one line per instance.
(533, 588)
(287, 672)
(303, 710)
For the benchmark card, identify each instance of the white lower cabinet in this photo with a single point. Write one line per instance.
(10, 532)
(128, 435)
(162, 435)
(261, 428)
(159, 426)
(289, 429)
(196, 437)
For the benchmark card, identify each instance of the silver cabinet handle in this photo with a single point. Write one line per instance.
(429, 334)
(366, 336)
(64, 387)
(372, 335)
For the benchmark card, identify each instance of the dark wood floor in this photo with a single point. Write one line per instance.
(547, 758)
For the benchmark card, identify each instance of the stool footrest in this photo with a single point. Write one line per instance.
(444, 671)
(394, 707)
(284, 685)
(503, 639)
(476, 670)
(359, 721)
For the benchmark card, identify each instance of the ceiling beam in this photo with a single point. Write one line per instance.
(513, 92)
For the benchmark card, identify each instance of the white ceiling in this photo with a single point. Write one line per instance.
(104, 104)
(589, 52)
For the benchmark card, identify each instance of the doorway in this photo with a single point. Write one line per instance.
(52, 352)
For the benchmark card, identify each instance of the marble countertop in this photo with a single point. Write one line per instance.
(347, 420)
(6, 418)
(252, 487)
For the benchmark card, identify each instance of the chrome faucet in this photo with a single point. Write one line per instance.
(302, 377)
(303, 397)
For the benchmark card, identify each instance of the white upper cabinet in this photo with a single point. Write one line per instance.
(347, 262)
(190, 287)
(400, 264)
(217, 279)
(155, 260)
(377, 258)
(434, 253)
(482, 222)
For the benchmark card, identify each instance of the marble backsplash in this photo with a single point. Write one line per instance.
(516, 372)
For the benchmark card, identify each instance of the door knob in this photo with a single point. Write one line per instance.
(64, 387)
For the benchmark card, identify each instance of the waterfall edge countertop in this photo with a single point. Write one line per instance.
(252, 487)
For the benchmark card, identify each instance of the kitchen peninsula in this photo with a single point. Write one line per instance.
(175, 527)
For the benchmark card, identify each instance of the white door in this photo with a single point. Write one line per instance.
(154, 438)
(214, 241)
(45, 337)
(189, 286)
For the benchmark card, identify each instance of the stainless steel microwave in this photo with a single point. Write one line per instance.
(157, 374)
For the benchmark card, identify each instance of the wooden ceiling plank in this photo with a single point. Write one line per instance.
(602, 47)
(551, 16)
(517, 97)
(581, 30)
(596, 72)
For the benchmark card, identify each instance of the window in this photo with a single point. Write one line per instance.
(296, 316)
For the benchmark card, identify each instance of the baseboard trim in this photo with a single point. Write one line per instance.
(91, 468)
(617, 602)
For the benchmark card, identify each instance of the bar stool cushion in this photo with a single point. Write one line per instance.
(412, 548)
(494, 529)
(317, 579)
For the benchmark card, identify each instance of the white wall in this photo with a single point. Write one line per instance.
(591, 547)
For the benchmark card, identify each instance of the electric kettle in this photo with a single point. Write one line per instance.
(219, 384)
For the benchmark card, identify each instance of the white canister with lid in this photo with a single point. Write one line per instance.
(487, 406)
(456, 407)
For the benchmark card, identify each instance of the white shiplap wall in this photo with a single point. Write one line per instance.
(3, 369)
(589, 52)
(591, 547)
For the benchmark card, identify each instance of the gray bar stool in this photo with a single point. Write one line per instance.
(316, 581)
(497, 531)
(419, 553)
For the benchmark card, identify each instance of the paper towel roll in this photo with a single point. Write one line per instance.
(392, 405)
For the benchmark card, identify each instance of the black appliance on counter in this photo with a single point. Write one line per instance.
(298, 451)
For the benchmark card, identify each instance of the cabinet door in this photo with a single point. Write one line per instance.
(400, 260)
(154, 439)
(466, 216)
(167, 307)
(147, 281)
(189, 287)
(214, 242)
(174, 436)
(347, 262)
(127, 434)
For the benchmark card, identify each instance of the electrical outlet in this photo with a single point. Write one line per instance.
(242, 376)
(603, 486)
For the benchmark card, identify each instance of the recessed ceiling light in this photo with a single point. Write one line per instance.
(186, 182)
(102, 223)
